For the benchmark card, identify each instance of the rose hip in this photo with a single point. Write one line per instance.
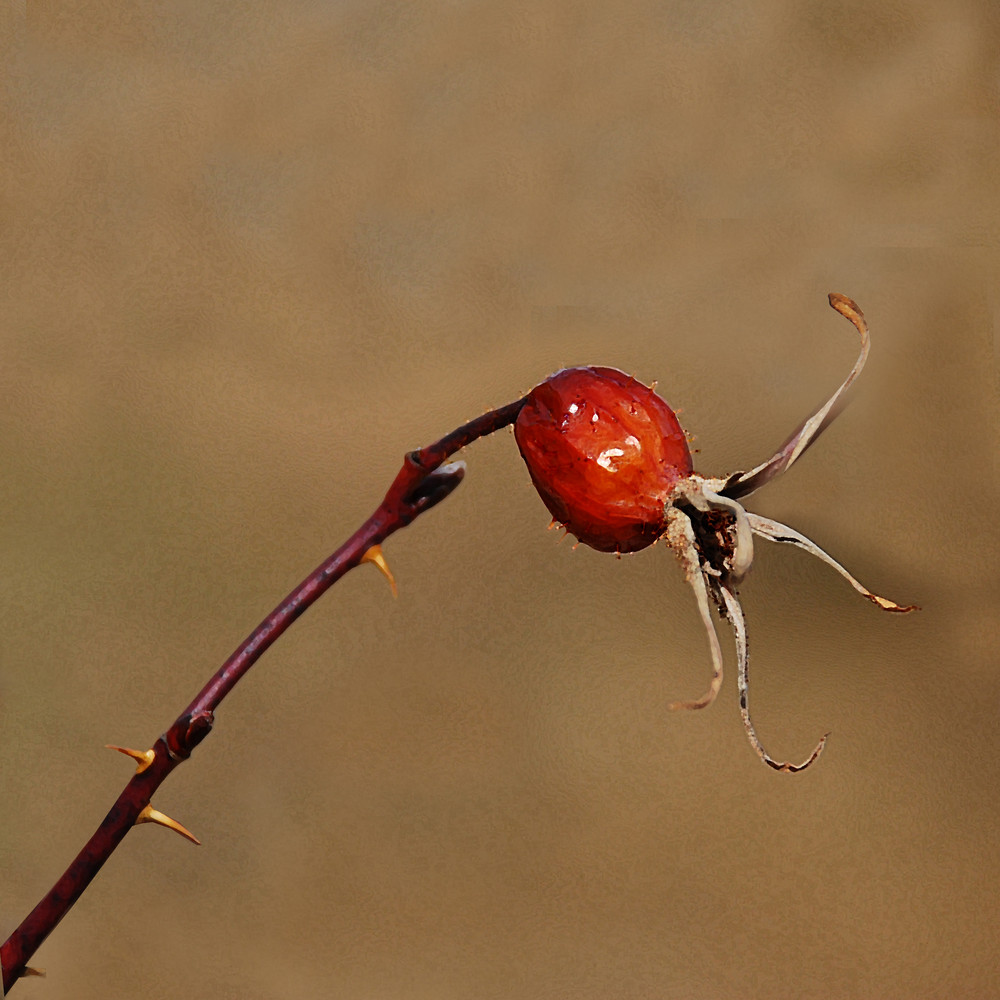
(611, 463)
(604, 452)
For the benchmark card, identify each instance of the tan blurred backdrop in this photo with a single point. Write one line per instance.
(252, 253)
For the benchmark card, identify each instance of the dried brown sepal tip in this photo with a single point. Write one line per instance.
(774, 531)
(848, 308)
(375, 557)
(788, 767)
(151, 815)
(143, 758)
(886, 605)
(30, 971)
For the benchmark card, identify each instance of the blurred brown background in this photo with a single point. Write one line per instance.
(252, 253)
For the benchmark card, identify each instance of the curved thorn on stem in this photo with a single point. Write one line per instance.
(151, 815)
(680, 534)
(377, 559)
(735, 614)
(143, 758)
(775, 531)
(743, 483)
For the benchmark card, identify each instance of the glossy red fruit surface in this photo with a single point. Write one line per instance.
(604, 452)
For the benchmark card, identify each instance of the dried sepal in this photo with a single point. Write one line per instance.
(775, 531)
(701, 494)
(734, 612)
(681, 537)
(741, 484)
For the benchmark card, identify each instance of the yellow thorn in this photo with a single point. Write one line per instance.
(375, 557)
(142, 757)
(151, 815)
(29, 971)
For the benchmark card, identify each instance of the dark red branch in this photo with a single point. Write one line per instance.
(421, 483)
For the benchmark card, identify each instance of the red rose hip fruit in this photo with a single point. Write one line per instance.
(612, 464)
(604, 452)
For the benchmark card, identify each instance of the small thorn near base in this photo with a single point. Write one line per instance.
(151, 815)
(375, 557)
(29, 971)
(143, 758)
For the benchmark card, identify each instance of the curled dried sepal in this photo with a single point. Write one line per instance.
(701, 494)
(680, 535)
(742, 484)
(734, 612)
(774, 531)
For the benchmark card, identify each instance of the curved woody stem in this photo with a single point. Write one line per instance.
(422, 482)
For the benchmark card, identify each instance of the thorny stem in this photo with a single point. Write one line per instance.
(421, 483)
